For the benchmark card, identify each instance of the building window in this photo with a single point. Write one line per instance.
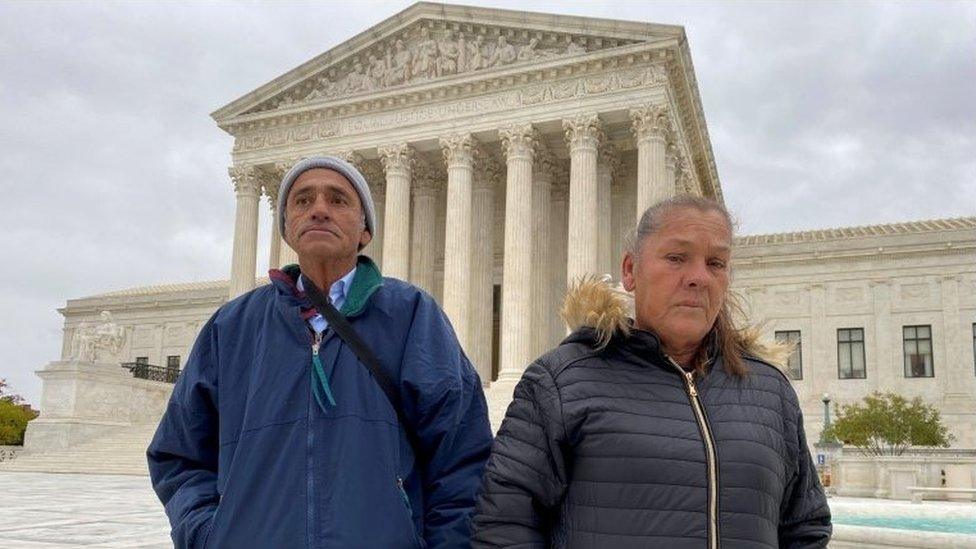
(918, 351)
(142, 360)
(850, 353)
(794, 366)
(173, 362)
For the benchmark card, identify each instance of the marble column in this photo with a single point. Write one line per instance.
(398, 163)
(459, 153)
(606, 173)
(621, 208)
(423, 245)
(559, 225)
(480, 328)
(583, 134)
(541, 253)
(271, 185)
(244, 261)
(671, 169)
(286, 255)
(377, 187)
(651, 125)
(374, 250)
(516, 329)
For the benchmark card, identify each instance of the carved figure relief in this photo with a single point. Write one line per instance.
(421, 55)
(102, 342)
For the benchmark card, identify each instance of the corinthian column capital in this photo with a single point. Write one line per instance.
(518, 140)
(372, 170)
(281, 167)
(400, 156)
(245, 178)
(353, 158)
(584, 130)
(459, 149)
(270, 184)
(651, 121)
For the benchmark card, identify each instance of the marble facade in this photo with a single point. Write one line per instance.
(508, 153)
(442, 107)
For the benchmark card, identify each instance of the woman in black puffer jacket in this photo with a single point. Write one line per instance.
(664, 430)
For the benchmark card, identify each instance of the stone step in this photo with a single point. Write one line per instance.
(121, 452)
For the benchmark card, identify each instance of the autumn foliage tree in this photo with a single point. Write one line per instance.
(14, 415)
(886, 424)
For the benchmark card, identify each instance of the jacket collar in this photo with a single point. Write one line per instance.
(366, 281)
(645, 345)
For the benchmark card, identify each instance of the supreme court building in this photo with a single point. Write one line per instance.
(508, 153)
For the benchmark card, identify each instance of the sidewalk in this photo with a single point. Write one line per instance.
(73, 510)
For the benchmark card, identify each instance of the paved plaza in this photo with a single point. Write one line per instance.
(72, 510)
(81, 510)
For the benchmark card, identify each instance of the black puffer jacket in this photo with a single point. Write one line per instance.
(604, 449)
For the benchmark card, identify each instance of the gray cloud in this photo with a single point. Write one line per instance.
(821, 114)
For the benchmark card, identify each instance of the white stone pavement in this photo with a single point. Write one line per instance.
(72, 510)
(79, 510)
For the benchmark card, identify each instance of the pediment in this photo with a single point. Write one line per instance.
(431, 42)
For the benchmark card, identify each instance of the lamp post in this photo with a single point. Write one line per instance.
(826, 402)
(827, 447)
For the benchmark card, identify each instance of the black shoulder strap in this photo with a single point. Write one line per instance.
(365, 355)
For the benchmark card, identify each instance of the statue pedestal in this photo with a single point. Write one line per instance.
(84, 400)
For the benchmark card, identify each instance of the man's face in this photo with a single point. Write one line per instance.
(324, 217)
(681, 277)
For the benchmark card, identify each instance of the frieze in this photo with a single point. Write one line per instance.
(424, 53)
(574, 88)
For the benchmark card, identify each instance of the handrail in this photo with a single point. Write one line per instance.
(152, 372)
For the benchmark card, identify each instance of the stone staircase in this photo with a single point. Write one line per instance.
(122, 452)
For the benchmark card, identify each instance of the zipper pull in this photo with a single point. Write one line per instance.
(691, 384)
(317, 343)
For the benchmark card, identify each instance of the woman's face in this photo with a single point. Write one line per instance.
(681, 277)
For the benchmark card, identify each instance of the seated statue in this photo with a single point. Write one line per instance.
(101, 342)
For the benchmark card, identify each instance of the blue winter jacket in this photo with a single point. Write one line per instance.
(245, 457)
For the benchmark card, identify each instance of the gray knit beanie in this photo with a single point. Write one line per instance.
(346, 169)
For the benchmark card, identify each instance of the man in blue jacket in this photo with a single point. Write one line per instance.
(278, 436)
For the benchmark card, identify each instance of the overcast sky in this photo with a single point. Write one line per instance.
(113, 175)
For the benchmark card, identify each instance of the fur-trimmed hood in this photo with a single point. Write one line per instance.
(608, 310)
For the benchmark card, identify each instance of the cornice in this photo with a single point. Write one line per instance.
(865, 231)
(453, 87)
(584, 27)
(850, 256)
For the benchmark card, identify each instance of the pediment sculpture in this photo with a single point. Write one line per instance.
(421, 54)
(101, 342)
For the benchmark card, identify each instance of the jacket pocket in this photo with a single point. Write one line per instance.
(409, 508)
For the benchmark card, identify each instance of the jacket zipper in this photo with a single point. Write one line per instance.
(309, 460)
(319, 379)
(710, 458)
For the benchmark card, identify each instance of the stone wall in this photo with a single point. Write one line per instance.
(857, 475)
(84, 401)
(879, 279)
